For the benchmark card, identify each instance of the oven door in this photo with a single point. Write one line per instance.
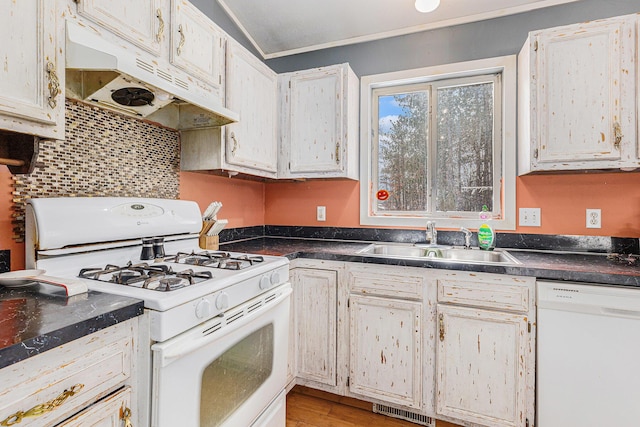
(227, 371)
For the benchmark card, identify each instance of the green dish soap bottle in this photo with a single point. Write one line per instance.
(486, 234)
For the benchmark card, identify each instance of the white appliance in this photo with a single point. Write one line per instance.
(218, 321)
(588, 351)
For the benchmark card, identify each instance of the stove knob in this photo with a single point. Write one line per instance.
(222, 301)
(275, 278)
(265, 283)
(203, 309)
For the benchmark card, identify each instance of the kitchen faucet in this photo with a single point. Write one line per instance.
(431, 233)
(467, 238)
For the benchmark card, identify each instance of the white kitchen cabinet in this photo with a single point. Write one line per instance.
(319, 123)
(251, 145)
(197, 45)
(315, 329)
(485, 349)
(143, 23)
(32, 75)
(386, 349)
(71, 378)
(389, 339)
(577, 97)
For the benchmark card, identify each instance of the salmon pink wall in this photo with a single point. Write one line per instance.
(242, 201)
(294, 203)
(562, 199)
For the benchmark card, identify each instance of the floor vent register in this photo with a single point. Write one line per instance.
(404, 415)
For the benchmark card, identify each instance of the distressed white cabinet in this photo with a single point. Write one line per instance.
(577, 96)
(77, 376)
(140, 22)
(315, 325)
(251, 145)
(32, 74)
(485, 349)
(389, 310)
(197, 45)
(319, 123)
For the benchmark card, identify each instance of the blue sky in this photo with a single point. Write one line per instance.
(388, 111)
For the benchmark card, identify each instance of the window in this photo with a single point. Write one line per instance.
(439, 143)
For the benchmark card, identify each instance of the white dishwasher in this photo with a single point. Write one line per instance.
(588, 355)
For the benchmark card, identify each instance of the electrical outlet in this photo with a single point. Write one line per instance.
(529, 217)
(321, 213)
(594, 218)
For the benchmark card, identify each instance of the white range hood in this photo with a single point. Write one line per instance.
(110, 76)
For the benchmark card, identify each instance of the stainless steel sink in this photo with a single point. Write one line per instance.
(439, 253)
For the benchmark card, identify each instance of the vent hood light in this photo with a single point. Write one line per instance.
(112, 77)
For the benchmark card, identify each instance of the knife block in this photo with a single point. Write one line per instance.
(208, 242)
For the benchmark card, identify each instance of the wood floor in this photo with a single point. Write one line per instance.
(309, 408)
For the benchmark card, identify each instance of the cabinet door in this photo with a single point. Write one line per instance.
(112, 411)
(316, 121)
(32, 74)
(141, 22)
(386, 349)
(197, 44)
(316, 324)
(252, 91)
(584, 94)
(481, 366)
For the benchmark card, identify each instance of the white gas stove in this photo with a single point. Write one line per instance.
(99, 240)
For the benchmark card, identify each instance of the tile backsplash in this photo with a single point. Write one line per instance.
(103, 154)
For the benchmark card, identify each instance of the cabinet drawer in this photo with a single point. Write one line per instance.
(109, 412)
(67, 378)
(497, 294)
(397, 282)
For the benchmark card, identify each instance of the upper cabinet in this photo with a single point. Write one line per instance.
(32, 72)
(142, 23)
(319, 123)
(577, 96)
(251, 145)
(197, 44)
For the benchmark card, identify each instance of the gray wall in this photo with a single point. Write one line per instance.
(484, 39)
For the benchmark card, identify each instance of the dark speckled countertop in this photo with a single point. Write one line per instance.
(579, 267)
(32, 323)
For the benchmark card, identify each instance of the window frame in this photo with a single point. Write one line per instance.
(504, 219)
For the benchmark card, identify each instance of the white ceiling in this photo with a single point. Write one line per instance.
(286, 27)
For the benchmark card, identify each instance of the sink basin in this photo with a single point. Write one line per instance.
(439, 253)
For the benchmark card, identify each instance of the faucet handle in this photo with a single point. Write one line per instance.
(467, 237)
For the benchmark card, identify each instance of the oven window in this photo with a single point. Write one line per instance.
(233, 377)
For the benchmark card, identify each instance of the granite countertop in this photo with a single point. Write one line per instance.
(32, 322)
(579, 267)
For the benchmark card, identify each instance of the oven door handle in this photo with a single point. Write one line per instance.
(167, 352)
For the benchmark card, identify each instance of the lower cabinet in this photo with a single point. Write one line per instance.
(485, 351)
(315, 295)
(85, 382)
(444, 344)
(386, 349)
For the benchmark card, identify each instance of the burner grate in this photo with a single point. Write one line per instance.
(223, 260)
(155, 277)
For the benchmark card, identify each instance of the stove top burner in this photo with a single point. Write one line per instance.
(222, 260)
(156, 277)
